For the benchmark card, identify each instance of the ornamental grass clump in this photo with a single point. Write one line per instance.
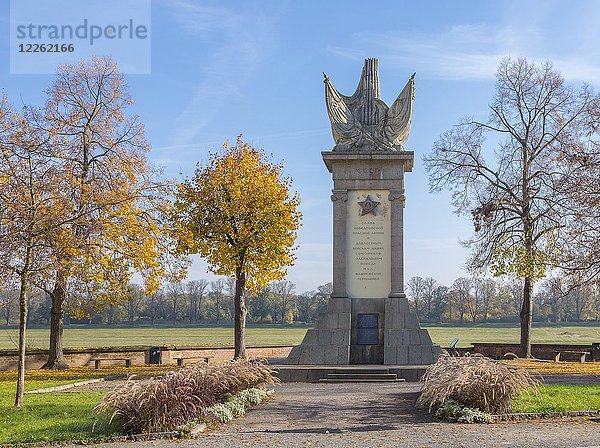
(170, 401)
(475, 382)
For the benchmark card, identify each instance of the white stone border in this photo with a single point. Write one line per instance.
(64, 386)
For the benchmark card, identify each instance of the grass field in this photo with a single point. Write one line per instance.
(50, 417)
(559, 398)
(102, 336)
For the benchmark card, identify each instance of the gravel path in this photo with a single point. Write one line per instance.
(373, 415)
(571, 379)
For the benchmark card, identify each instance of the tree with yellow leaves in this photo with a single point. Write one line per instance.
(238, 214)
(31, 213)
(115, 204)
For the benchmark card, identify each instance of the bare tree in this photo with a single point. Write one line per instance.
(113, 314)
(175, 293)
(580, 300)
(462, 288)
(551, 294)
(217, 288)
(515, 292)
(520, 194)
(305, 306)
(439, 303)
(596, 298)
(430, 284)
(157, 301)
(196, 290)
(484, 294)
(8, 299)
(136, 297)
(581, 257)
(230, 296)
(416, 287)
(321, 297)
(283, 289)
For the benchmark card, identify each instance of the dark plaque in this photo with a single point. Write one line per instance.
(368, 329)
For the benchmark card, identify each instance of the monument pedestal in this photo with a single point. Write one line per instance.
(368, 320)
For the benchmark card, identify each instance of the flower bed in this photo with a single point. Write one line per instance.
(182, 396)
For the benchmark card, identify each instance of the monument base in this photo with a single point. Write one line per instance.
(346, 334)
(329, 341)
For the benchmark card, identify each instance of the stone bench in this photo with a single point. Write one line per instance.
(180, 359)
(581, 354)
(98, 361)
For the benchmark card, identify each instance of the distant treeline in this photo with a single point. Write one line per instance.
(484, 299)
(204, 302)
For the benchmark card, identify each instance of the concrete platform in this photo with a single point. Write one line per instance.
(313, 373)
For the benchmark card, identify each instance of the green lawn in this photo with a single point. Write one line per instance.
(101, 336)
(206, 336)
(559, 398)
(541, 333)
(49, 417)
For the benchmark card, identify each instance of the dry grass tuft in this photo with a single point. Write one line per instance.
(473, 381)
(166, 402)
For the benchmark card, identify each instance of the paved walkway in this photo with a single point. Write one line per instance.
(373, 415)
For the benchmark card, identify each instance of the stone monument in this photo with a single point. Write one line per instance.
(368, 319)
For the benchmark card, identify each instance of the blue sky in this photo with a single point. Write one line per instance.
(224, 68)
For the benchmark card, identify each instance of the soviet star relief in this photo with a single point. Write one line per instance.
(368, 206)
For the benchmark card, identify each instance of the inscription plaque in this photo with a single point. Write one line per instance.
(368, 329)
(368, 250)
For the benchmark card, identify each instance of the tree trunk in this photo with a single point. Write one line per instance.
(218, 308)
(526, 319)
(283, 310)
(198, 310)
(56, 359)
(554, 312)
(131, 312)
(195, 310)
(240, 315)
(152, 309)
(22, 329)
(174, 311)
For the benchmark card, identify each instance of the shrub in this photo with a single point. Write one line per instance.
(453, 411)
(167, 402)
(223, 412)
(236, 405)
(473, 381)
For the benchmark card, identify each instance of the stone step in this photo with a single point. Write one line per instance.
(361, 376)
(367, 371)
(365, 380)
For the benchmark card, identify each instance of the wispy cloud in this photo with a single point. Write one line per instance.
(458, 52)
(198, 18)
(242, 42)
(473, 51)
